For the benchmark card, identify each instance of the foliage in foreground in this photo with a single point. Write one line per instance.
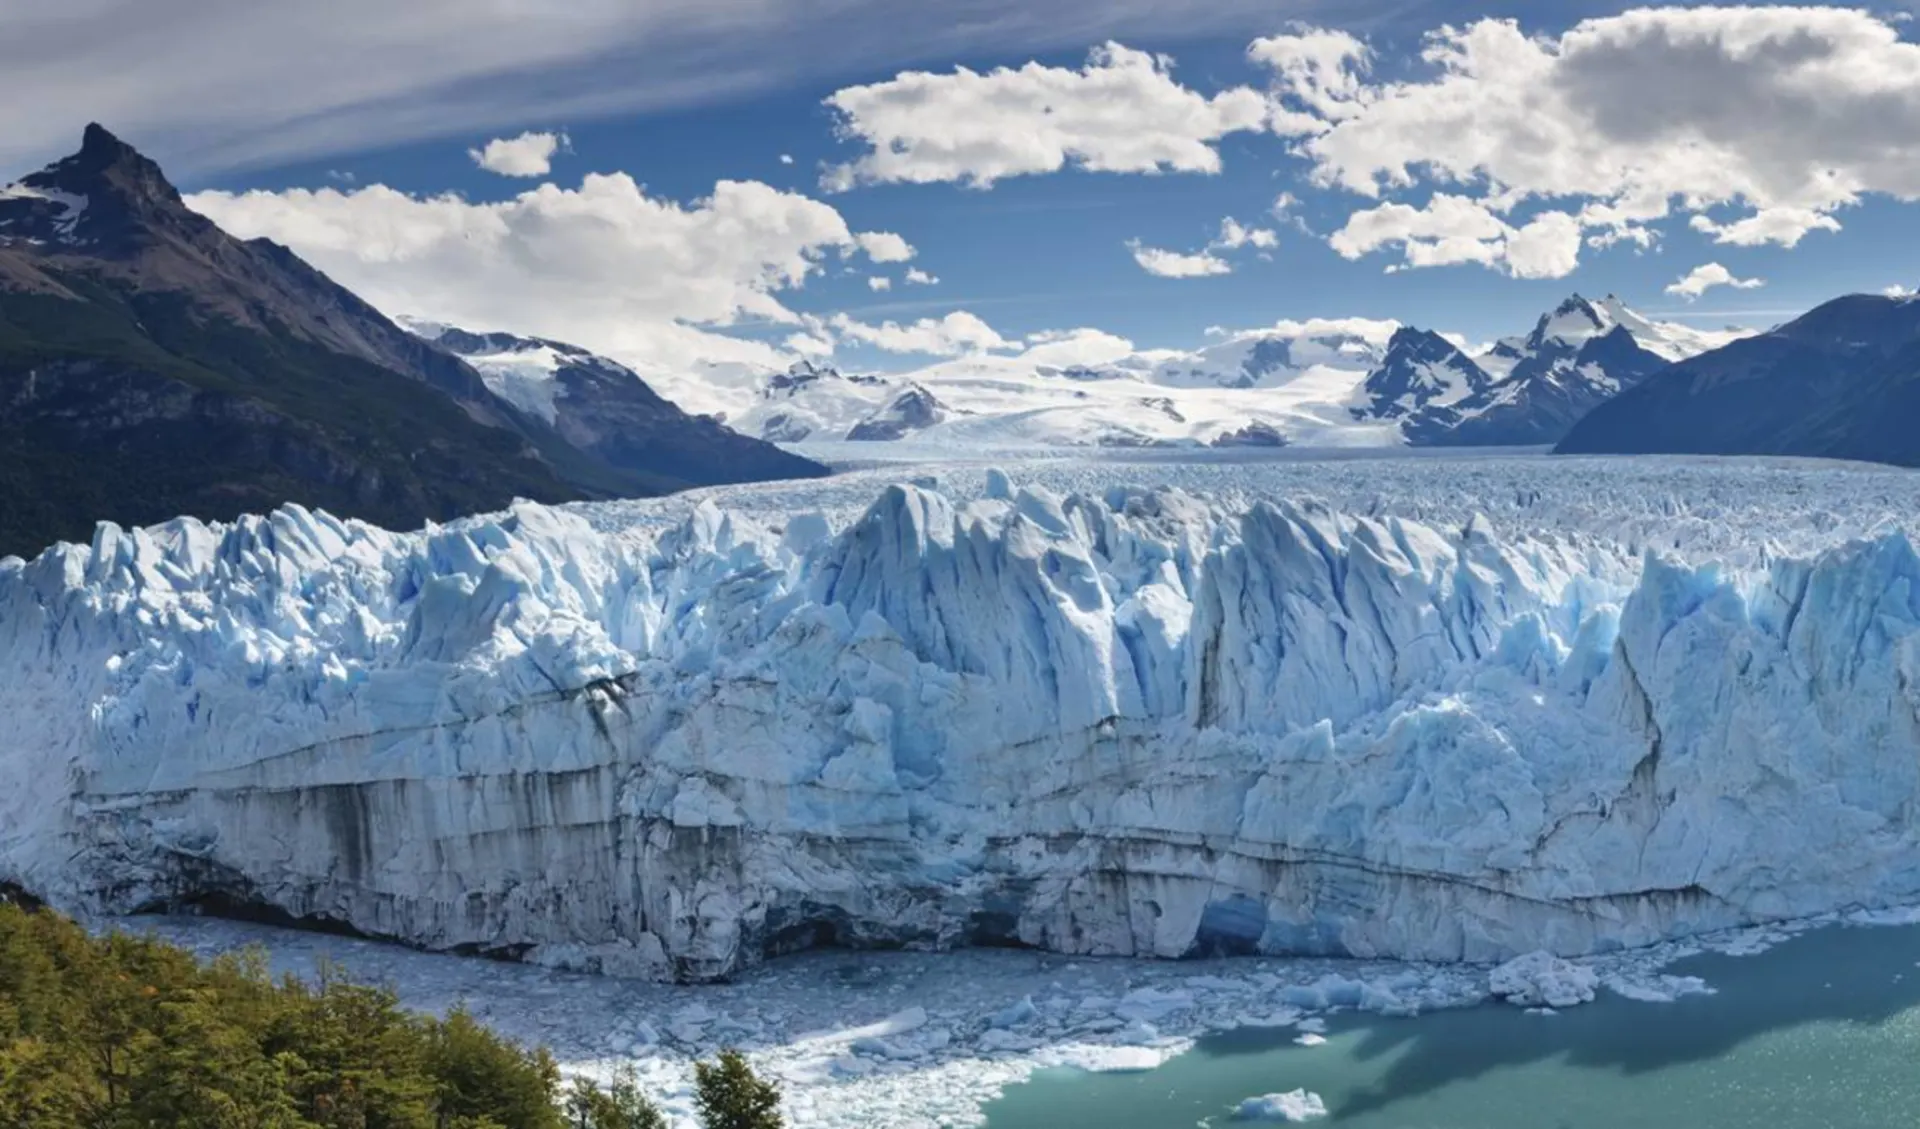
(119, 1032)
(730, 1096)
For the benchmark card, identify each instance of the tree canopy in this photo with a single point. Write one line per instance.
(128, 1032)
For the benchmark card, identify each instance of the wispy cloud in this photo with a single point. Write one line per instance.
(911, 305)
(211, 85)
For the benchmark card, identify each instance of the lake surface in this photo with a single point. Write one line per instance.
(1821, 1031)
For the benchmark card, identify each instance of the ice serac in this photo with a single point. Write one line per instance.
(1140, 723)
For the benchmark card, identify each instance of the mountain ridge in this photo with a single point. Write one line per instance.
(1840, 381)
(153, 366)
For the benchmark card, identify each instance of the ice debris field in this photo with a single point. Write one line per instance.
(898, 1040)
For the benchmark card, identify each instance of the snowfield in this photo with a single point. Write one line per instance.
(1434, 709)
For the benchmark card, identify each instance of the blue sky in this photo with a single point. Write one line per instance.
(1034, 252)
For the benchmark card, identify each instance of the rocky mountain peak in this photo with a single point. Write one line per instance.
(106, 198)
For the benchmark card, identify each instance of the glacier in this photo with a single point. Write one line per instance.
(1422, 709)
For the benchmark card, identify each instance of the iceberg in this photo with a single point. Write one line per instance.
(1145, 722)
(1292, 1106)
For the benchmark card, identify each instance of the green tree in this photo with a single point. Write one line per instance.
(481, 1075)
(729, 1095)
(123, 1032)
(620, 1106)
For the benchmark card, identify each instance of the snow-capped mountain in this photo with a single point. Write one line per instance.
(1333, 383)
(809, 402)
(604, 408)
(915, 409)
(1292, 383)
(668, 738)
(1272, 358)
(1421, 369)
(1578, 356)
(1841, 381)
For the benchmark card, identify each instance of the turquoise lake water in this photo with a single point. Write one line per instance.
(1820, 1032)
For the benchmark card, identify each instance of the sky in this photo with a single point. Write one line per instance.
(685, 182)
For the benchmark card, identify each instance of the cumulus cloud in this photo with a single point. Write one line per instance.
(885, 247)
(1784, 226)
(1176, 264)
(1122, 112)
(1452, 229)
(810, 344)
(952, 335)
(918, 277)
(879, 282)
(1376, 330)
(1899, 291)
(1705, 277)
(1082, 346)
(1323, 72)
(786, 158)
(1781, 115)
(530, 154)
(606, 264)
(1234, 235)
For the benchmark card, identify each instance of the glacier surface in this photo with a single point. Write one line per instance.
(1431, 709)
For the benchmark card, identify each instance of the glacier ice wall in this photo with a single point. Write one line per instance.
(1141, 723)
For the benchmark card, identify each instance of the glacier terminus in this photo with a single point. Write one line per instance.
(1450, 709)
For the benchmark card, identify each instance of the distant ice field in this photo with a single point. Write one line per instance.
(1736, 510)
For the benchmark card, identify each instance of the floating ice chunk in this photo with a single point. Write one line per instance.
(1284, 1017)
(1290, 1107)
(642, 959)
(1153, 1003)
(1017, 1013)
(1311, 1039)
(1117, 1060)
(1903, 915)
(1217, 984)
(1005, 1042)
(1658, 989)
(882, 1039)
(1542, 978)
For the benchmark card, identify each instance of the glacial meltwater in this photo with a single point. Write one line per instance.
(1822, 1031)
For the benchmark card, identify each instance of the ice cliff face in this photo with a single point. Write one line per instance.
(1144, 723)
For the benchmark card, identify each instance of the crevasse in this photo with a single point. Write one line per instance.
(1145, 723)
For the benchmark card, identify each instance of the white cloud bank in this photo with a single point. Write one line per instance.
(1177, 264)
(1174, 264)
(953, 335)
(530, 154)
(1705, 277)
(1782, 115)
(1122, 112)
(605, 265)
(1455, 229)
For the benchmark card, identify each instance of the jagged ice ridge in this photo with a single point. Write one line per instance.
(1140, 721)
